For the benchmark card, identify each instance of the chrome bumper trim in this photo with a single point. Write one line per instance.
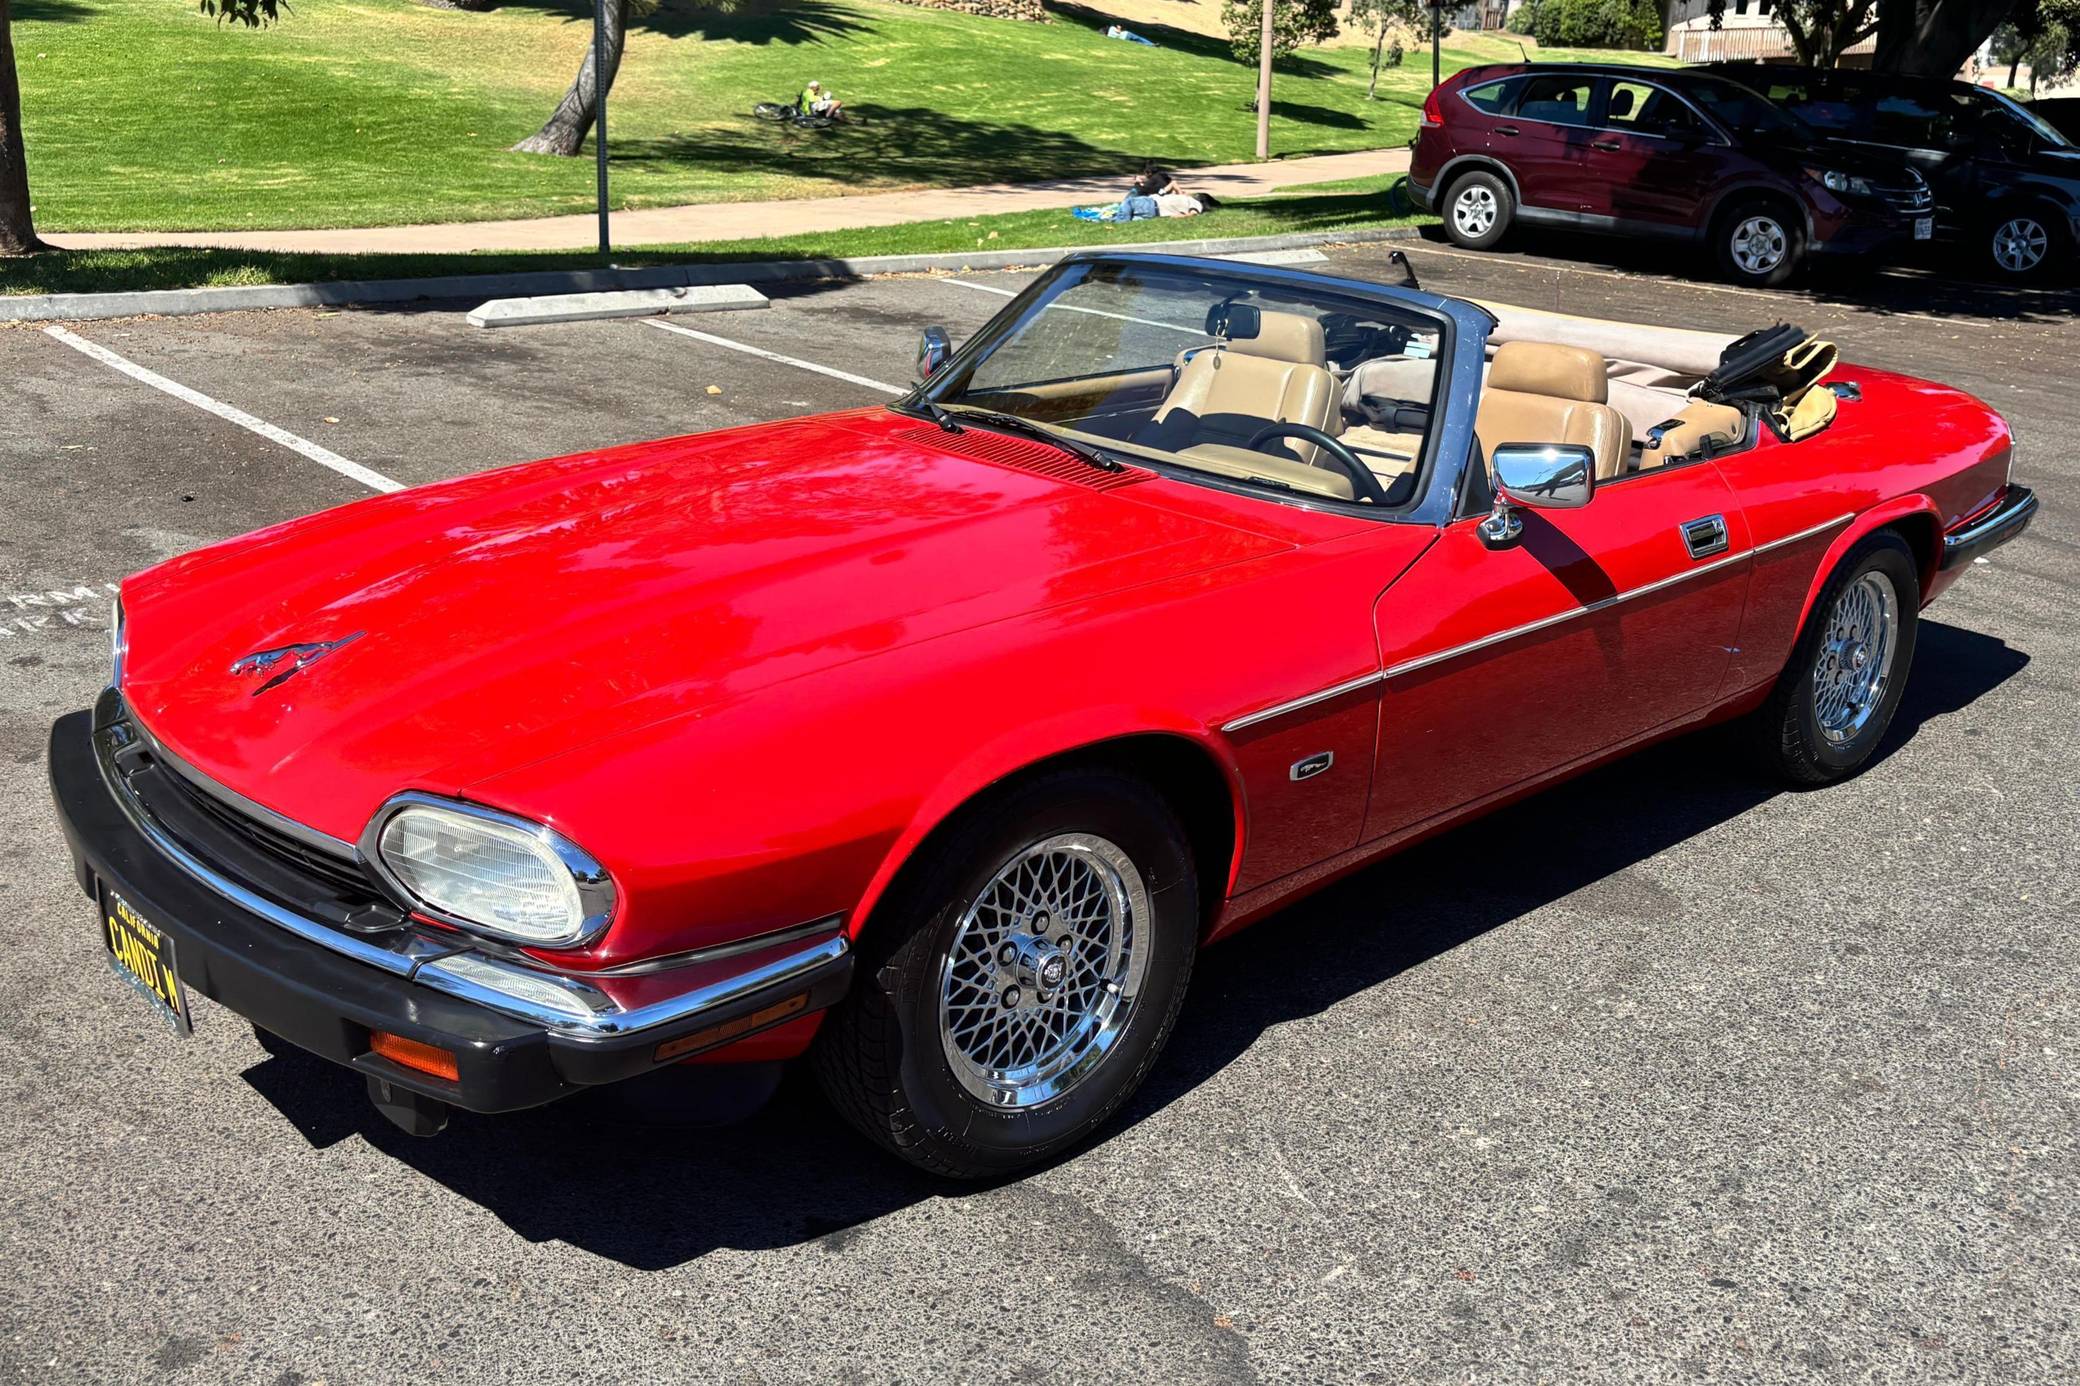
(557, 1001)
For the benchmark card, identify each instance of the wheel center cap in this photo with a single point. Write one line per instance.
(1038, 964)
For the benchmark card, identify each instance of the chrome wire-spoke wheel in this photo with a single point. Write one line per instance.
(1759, 244)
(2020, 244)
(1044, 970)
(1474, 211)
(1855, 659)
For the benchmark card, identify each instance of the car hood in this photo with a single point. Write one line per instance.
(463, 629)
(1848, 158)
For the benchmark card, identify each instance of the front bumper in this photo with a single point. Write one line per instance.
(325, 989)
(2007, 519)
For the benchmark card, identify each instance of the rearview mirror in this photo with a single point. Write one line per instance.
(1541, 476)
(932, 350)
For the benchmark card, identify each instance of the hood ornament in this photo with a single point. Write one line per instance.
(297, 657)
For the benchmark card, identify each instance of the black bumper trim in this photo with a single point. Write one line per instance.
(326, 1002)
(2004, 522)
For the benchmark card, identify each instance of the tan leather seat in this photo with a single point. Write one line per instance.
(1696, 425)
(1538, 392)
(1226, 393)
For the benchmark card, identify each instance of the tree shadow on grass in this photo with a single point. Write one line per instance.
(593, 1172)
(895, 145)
(756, 22)
(52, 11)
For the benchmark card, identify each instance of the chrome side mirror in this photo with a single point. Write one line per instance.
(1542, 476)
(932, 350)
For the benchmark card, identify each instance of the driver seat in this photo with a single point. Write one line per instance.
(1225, 393)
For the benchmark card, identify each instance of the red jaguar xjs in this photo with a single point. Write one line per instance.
(932, 741)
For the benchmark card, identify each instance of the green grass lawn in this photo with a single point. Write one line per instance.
(145, 115)
(1351, 204)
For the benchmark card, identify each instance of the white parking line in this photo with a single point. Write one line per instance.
(324, 457)
(712, 340)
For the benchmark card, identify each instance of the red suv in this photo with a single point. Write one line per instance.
(1638, 151)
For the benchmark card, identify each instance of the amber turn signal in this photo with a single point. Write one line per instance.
(411, 1053)
(729, 1029)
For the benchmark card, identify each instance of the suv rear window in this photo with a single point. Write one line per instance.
(1488, 96)
(1557, 99)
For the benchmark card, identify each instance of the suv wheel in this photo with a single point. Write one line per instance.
(2019, 243)
(1479, 211)
(1759, 244)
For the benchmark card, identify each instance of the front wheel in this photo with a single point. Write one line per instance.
(1836, 697)
(1759, 244)
(1026, 975)
(2019, 244)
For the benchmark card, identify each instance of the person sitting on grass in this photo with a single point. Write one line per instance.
(815, 101)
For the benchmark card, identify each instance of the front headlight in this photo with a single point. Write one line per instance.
(490, 872)
(118, 644)
(1835, 181)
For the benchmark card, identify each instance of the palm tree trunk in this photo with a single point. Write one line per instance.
(17, 226)
(565, 131)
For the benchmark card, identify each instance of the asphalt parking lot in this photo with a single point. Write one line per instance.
(1664, 1074)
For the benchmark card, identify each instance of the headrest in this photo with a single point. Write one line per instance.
(1543, 368)
(1284, 337)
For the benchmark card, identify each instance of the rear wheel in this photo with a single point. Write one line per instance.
(1835, 699)
(1026, 977)
(1479, 210)
(1759, 243)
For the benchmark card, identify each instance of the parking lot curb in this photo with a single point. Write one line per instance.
(617, 303)
(181, 302)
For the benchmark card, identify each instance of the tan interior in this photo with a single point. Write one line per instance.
(1539, 392)
(1232, 390)
(1697, 424)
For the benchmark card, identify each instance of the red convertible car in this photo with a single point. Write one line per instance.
(933, 740)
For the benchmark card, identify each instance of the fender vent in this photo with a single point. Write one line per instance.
(1006, 451)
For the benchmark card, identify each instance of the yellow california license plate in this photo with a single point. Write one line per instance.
(142, 955)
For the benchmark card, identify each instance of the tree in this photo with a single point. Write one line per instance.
(2046, 35)
(1822, 30)
(1927, 38)
(17, 222)
(564, 132)
(1382, 18)
(1293, 23)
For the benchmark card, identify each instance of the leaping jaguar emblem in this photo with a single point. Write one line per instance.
(298, 657)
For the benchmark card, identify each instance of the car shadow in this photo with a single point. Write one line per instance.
(615, 1174)
(1923, 285)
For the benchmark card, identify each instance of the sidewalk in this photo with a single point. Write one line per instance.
(738, 221)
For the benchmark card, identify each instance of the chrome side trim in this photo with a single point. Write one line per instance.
(608, 1024)
(829, 924)
(232, 799)
(1803, 534)
(1409, 666)
(1306, 700)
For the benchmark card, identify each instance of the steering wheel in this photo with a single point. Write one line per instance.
(1363, 483)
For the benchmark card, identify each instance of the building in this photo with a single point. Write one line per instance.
(1748, 30)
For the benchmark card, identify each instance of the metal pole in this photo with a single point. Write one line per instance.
(1436, 24)
(599, 114)
(1264, 84)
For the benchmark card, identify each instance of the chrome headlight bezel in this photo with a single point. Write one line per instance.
(596, 893)
(1847, 184)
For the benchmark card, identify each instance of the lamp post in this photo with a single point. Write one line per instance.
(599, 114)
(1436, 39)
(1264, 84)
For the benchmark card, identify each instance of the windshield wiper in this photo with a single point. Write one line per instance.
(938, 414)
(1013, 423)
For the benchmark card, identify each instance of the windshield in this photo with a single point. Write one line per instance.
(1296, 392)
(2038, 126)
(1742, 111)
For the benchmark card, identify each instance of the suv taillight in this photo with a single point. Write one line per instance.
(1433, 107)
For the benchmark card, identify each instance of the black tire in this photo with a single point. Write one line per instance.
(1489, 208)
(1787, 730)
(1759, 242)
(880, 1055)
(2020, 243)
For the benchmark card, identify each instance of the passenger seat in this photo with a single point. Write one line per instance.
(1539, 392)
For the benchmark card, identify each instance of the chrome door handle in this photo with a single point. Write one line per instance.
(1507, 130)
(1609, 146)
(1705, 537)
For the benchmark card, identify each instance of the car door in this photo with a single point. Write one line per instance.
(1652, 161)
(1600, 625)
(1545, 140)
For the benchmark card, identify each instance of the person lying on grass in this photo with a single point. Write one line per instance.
(1138, 207)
